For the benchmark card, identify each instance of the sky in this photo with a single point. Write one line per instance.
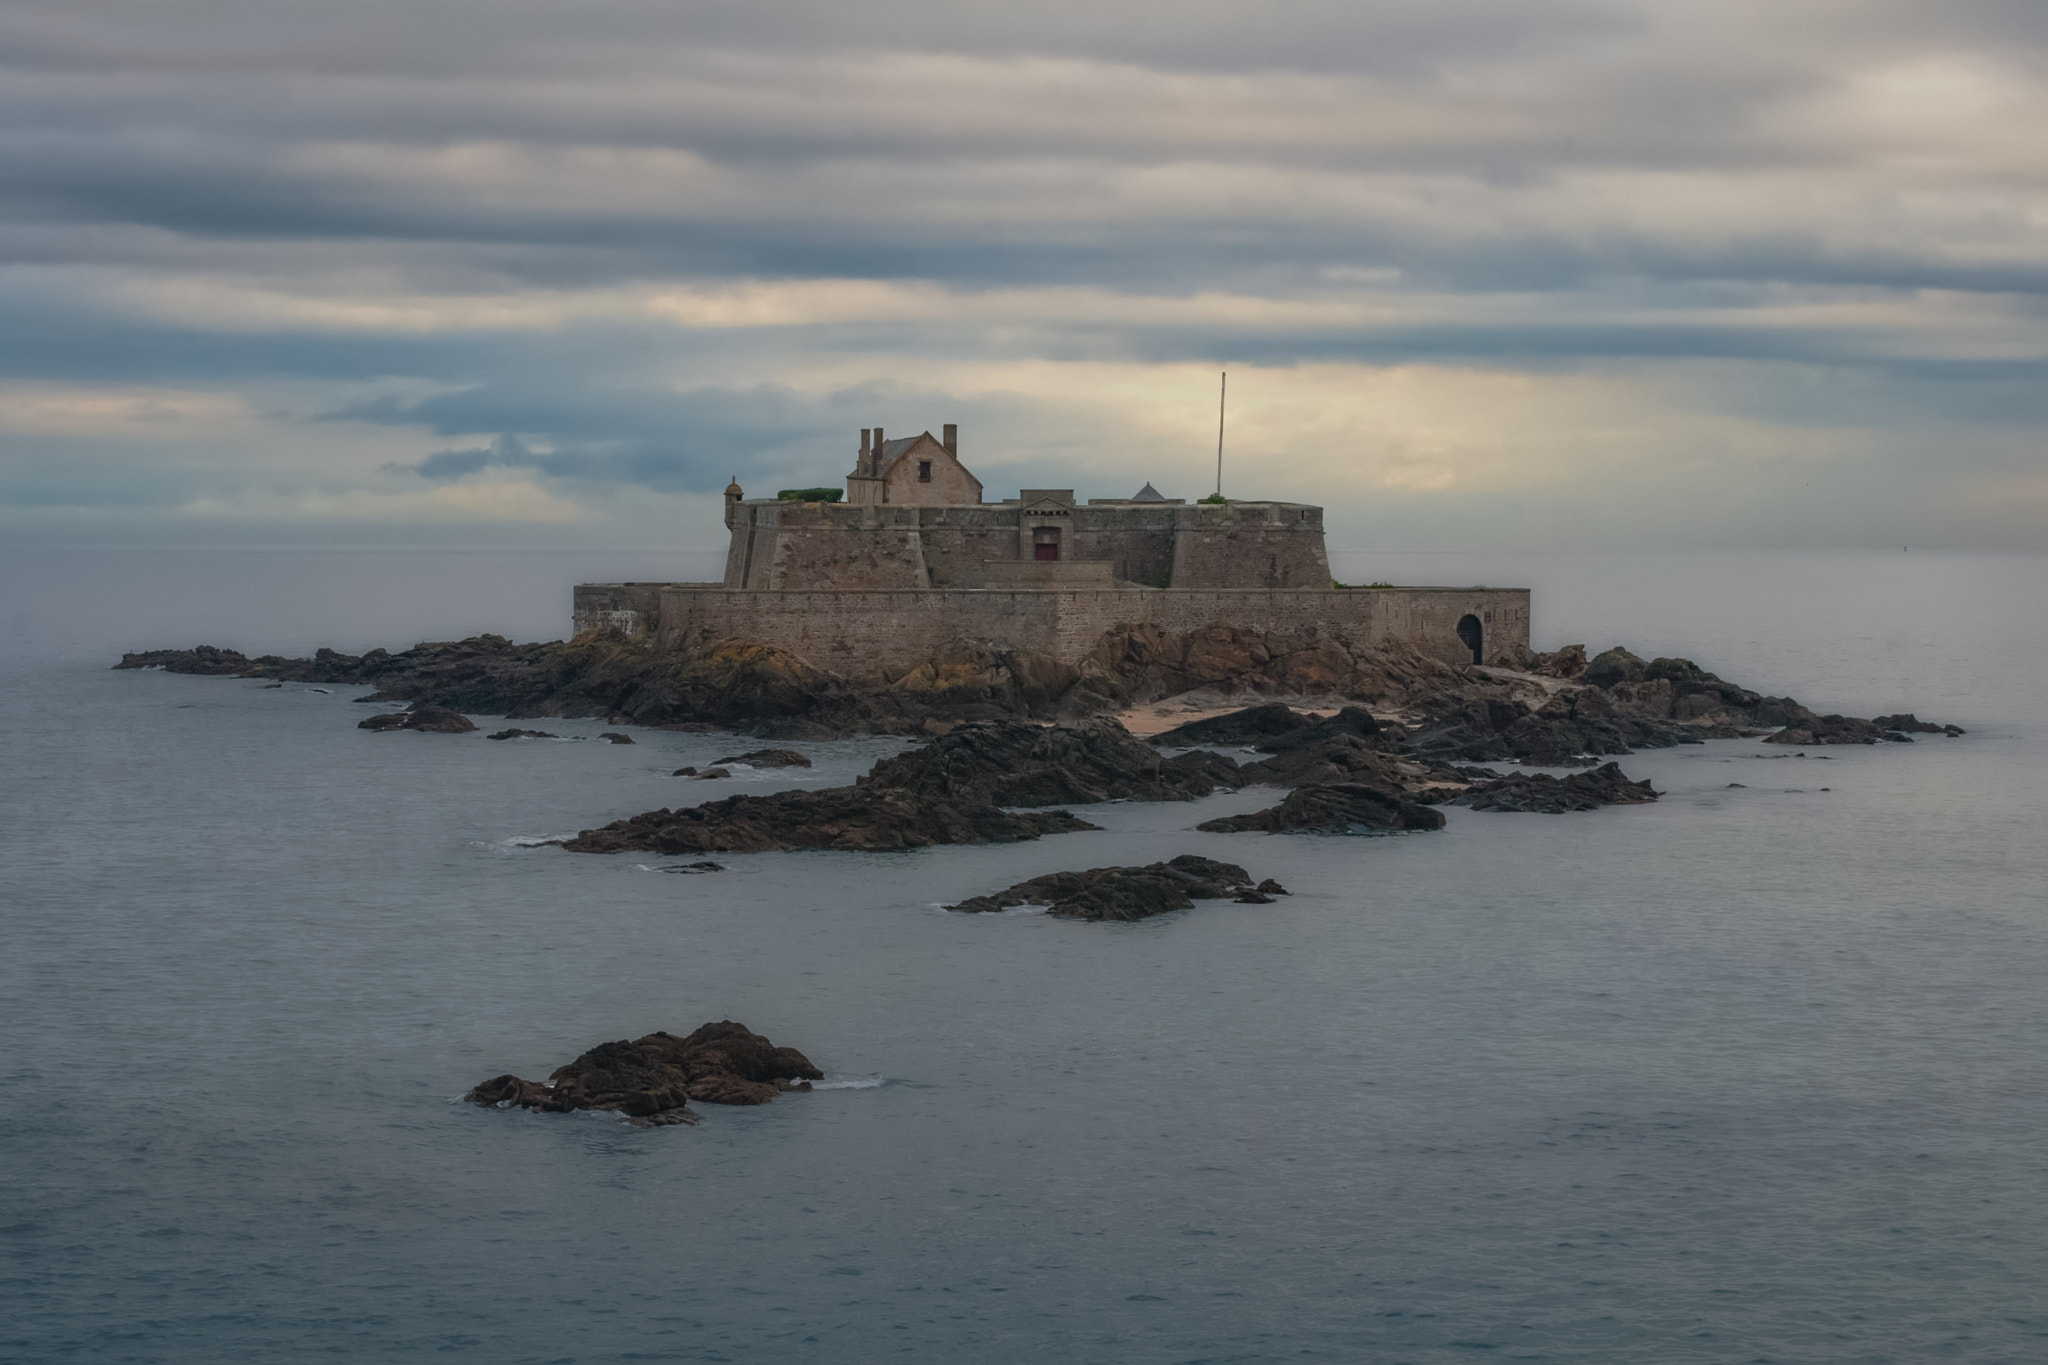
(1604, 274)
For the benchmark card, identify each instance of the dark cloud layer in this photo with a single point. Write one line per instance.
(459, 225)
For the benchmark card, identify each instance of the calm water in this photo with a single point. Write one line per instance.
(1754, 1074)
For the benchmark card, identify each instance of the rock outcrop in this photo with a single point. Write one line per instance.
(851, 818)
(1252, 725)
(767, 758)
(1559, 708)
(953, 790)
(1905, 724)
(1013, 763)
(517, 733)
(438, 720)
(1129, 893)
(1540, 793)
(1335, 808)
(652, 1080)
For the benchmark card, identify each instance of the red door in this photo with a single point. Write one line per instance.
(1046, 552)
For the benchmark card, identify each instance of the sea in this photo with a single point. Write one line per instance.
(1758, 1073)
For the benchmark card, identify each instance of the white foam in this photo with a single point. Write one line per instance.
(531, 840)
(856, 1083)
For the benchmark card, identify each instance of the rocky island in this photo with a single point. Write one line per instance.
(1130, 893)
(1013, 740)
(651, 1081)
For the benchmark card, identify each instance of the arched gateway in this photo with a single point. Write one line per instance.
(1474, 636)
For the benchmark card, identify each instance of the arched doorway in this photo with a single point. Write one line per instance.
(1474, 636)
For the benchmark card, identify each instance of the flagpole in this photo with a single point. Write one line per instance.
(1222, 393)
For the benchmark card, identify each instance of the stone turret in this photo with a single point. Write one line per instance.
(734, 496)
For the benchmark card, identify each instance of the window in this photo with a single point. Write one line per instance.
(924, 471)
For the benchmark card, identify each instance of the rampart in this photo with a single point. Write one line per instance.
(856, 632)
(788, 546)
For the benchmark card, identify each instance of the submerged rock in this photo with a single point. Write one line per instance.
(652, 1080)
(838, 817)
(768, 758)
(1906, 723)
(1335, 808)
(1540, 793)
(516, 733)
(613, 736)
(432, 719)
(1129, 893)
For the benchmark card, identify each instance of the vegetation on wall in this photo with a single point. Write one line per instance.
(811, 494)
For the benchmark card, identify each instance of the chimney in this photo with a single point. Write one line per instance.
(863, 445)
(878, 450)
(951, 440)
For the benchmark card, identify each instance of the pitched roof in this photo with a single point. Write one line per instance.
(892, 449)
(1148, 494)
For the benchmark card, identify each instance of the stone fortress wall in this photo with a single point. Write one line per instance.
(784, 546)
(914, 560)
(859, 632)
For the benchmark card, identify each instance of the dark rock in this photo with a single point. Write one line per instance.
(1335, 808)
(1541, 793)
(206, 660)
(1270, 887)
(522, 734)
(1812, 729)
(951, 791)
(1238, 727)
(838, 817)
(769, 758)
(438, 720)
(431, 719)
(712, 774)
(1909, 724)
(1013, 763)
(1123, 893)
(1348, 747)
(1570, 709)
(615, 737)
(693, 869)
(652, 1079)
(684, 772)
(1615, 666)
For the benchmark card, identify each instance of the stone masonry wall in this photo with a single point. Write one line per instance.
(1250, 545)
(784, 546)
(861, 632)
(632, 608)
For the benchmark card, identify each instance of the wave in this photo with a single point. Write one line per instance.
(853, 1083)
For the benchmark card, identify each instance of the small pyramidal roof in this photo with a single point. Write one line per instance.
(1148, 494)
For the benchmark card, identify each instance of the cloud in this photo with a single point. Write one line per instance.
(459, 250)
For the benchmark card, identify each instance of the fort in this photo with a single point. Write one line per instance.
(914, 559)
